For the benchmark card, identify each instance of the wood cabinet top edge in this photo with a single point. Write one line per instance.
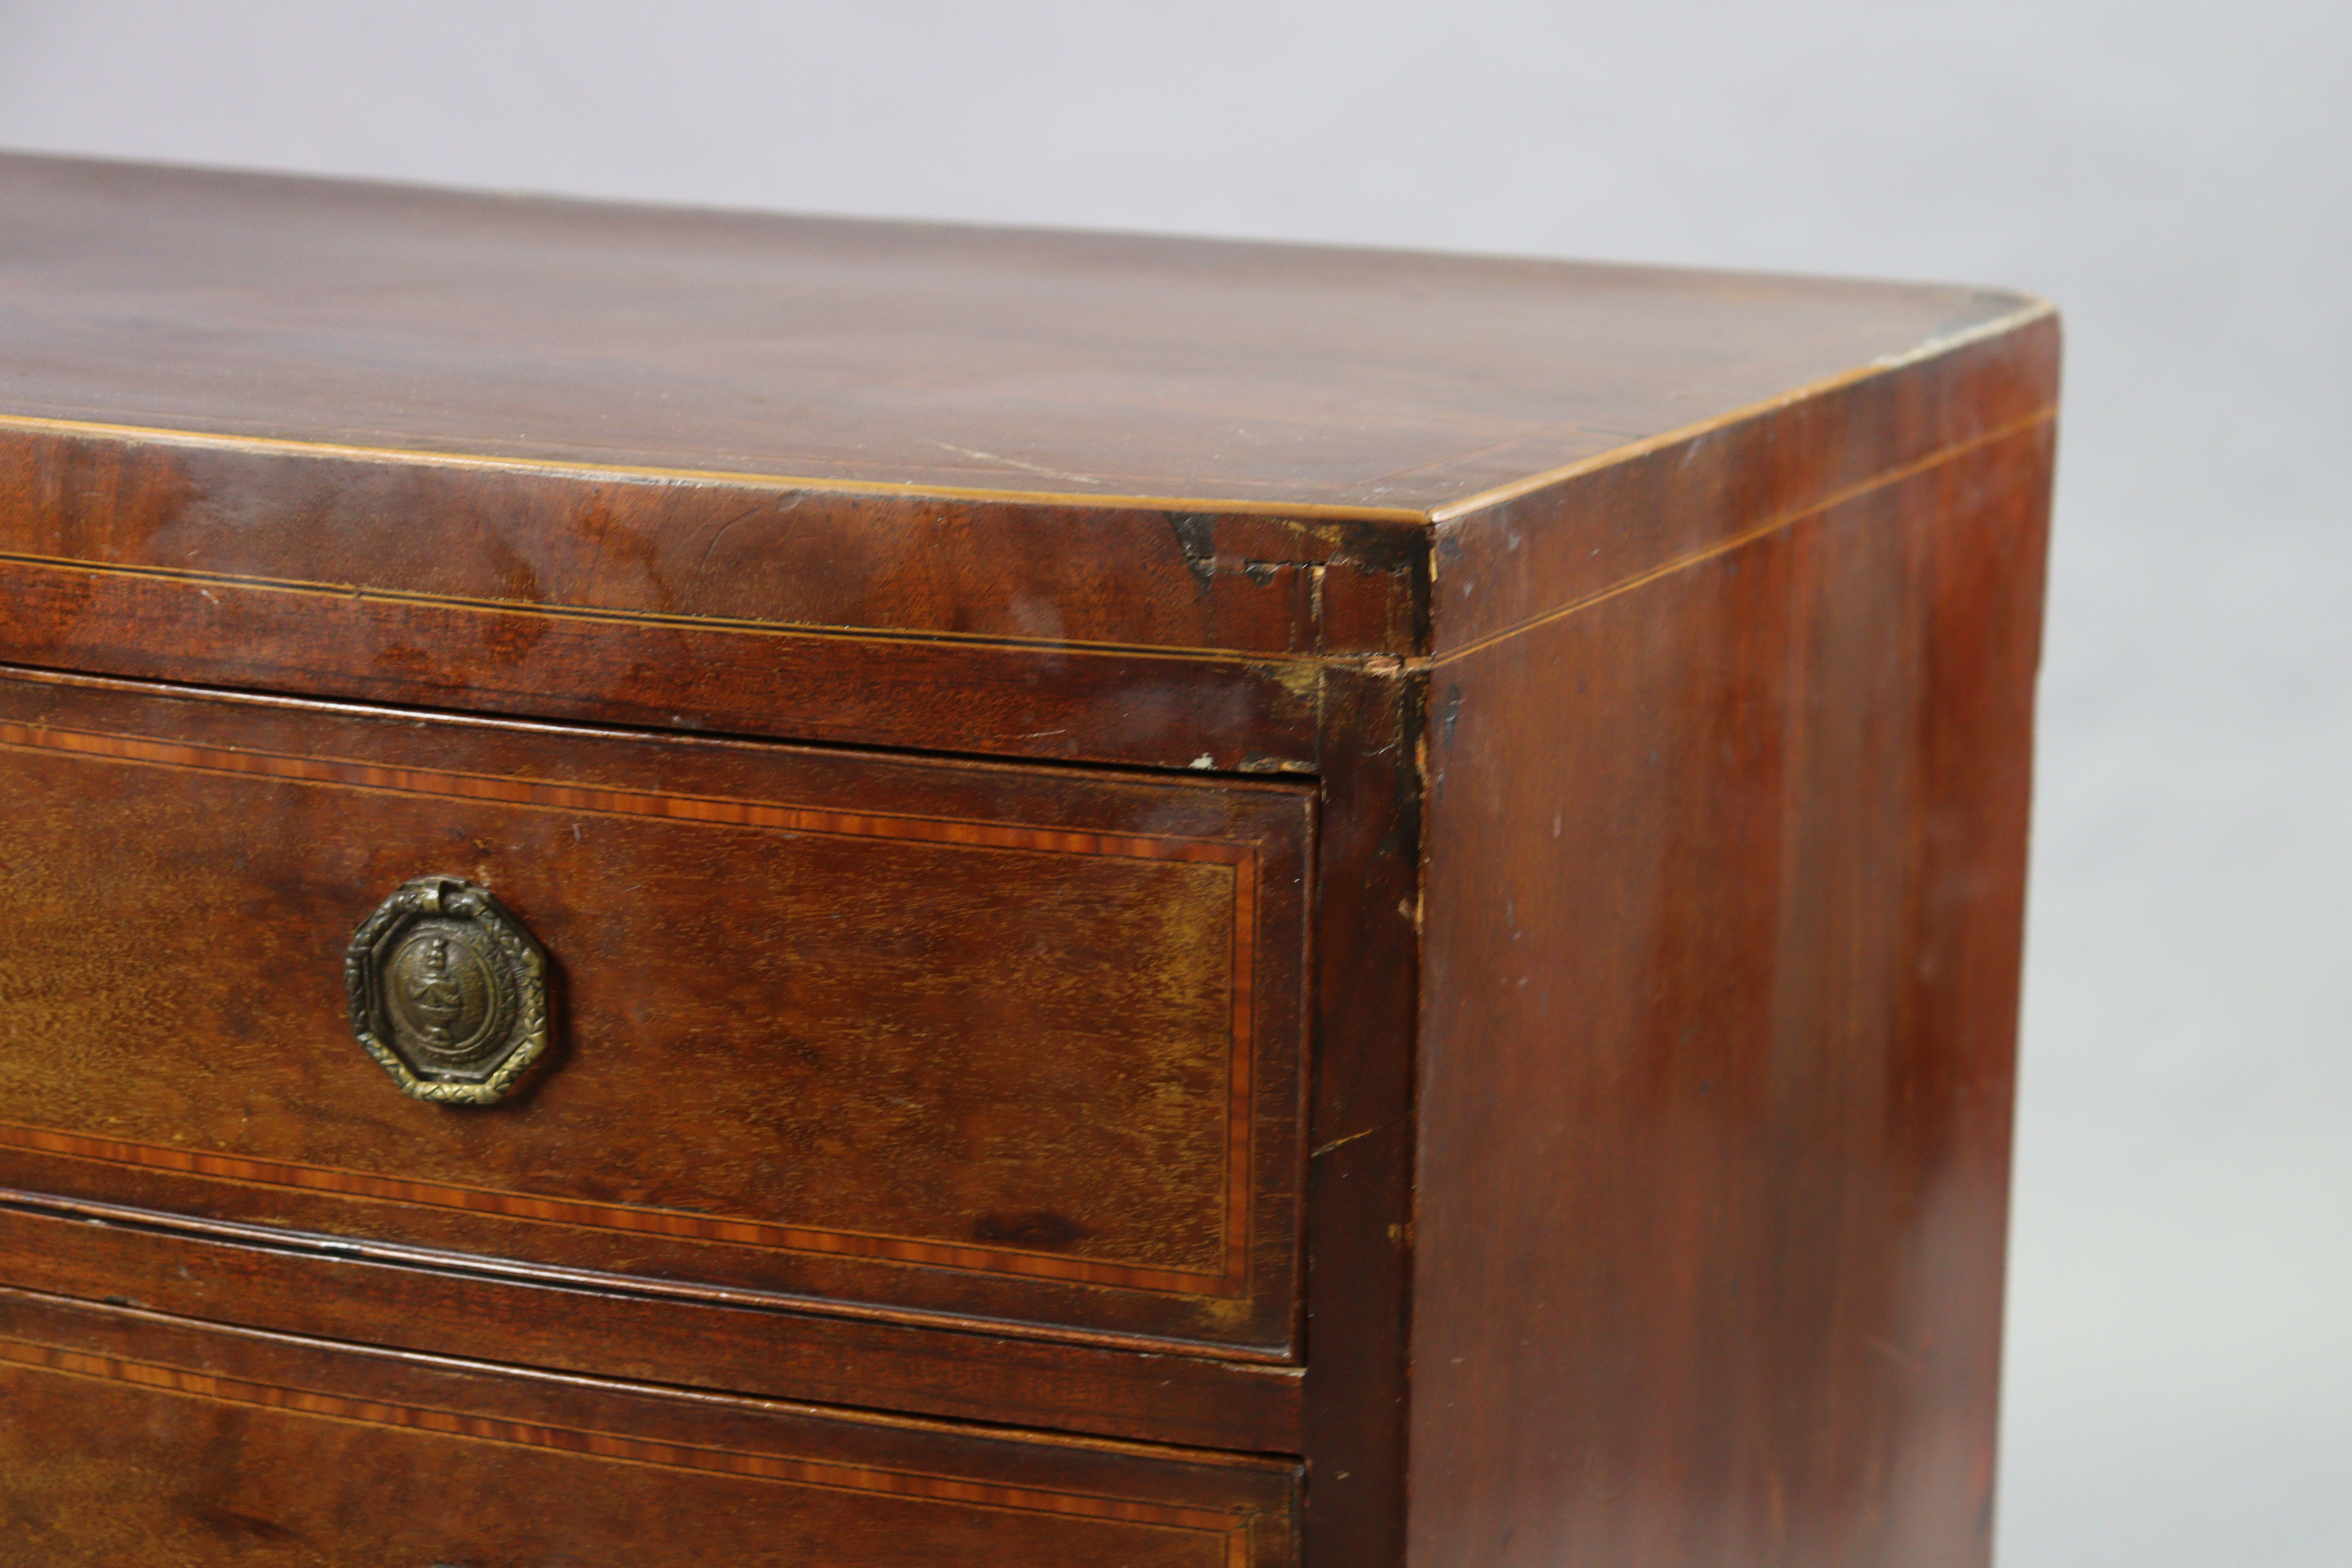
(1593, 530)
(1043, 368)
(2030, 310)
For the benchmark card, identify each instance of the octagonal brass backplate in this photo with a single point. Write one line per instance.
(448, 992)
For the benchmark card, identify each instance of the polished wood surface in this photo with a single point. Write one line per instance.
(890, 356)
(225, 1448)
(981, 1041)
(721, 551)
(1561, 548)
(1101, 705)
(262, 1276)
(1723, 902)
(1612, 687)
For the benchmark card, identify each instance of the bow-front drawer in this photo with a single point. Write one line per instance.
(914, 1039)
(208, 1448)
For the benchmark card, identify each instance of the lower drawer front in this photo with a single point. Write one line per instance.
(131, 1438)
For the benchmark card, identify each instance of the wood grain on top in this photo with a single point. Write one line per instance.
(862, 353)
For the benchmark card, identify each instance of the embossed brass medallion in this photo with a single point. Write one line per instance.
(448, 992)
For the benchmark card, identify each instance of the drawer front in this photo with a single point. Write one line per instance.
(135, 1439)
(912, 1037)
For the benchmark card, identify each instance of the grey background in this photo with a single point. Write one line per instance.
(2175, 174)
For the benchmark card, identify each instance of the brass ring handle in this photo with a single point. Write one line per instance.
(448, 992)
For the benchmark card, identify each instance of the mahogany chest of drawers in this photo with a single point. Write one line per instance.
(705, 889)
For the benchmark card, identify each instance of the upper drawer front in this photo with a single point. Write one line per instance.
(133, 1439)
(906, 1037)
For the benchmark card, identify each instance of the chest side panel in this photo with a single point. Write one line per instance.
(1726, 876)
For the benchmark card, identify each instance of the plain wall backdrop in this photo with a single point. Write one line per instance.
(2176, 173)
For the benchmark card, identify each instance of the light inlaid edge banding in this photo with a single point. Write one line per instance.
(911, 1486)
(1778, 523)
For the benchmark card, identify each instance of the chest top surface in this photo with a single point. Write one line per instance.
(1048, 366)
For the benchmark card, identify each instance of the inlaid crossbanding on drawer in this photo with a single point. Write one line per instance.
(230, 1448)
(877, 1034)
